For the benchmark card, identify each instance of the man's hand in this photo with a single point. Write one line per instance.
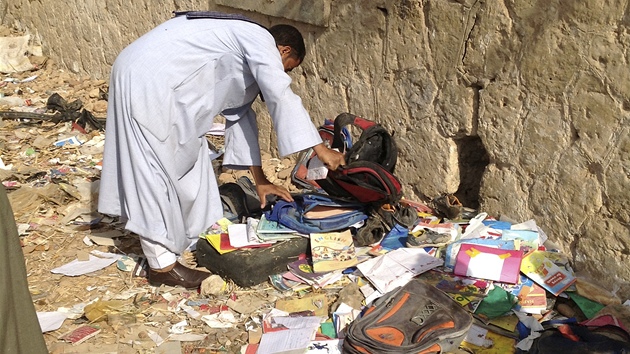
(331, 158)
(271, 189)
(265, 188)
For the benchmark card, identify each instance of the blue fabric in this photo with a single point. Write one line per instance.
(396, 238)
(292, 214)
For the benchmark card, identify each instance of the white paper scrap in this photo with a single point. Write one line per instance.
(51, 321)
(223, 319)
(97, 261)
(316, 169)
(286, 341)
(155, 337)
(477, 336)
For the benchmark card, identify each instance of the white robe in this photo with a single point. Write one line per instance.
(165, 90)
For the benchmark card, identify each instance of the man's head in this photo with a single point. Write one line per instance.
(290, 44)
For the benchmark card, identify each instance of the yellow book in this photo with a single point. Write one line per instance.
(332, 251)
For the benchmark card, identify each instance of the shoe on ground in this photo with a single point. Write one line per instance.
(180, 275)
(448, 206)
(427, 238)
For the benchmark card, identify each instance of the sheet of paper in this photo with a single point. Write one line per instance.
(416, 260)
(397, 268)
(477, 336)
(239, 237)
(51, 321)
(316, 169)
(377, 270)
(93, 264)
(286, 341)
(342, 317)
(289, 322)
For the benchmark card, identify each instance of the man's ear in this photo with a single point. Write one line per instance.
(285, 49)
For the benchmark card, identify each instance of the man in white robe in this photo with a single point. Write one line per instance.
(165, 90)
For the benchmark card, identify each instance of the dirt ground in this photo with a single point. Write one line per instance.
(52, 192)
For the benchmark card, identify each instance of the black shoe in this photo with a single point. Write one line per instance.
(180, 275)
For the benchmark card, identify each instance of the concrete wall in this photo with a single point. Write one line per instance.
(521, 107)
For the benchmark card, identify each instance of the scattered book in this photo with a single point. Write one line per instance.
(526, 240)
(540, 267)
(455, 284)
(532, 298)
(303, 270)
(488, 263)
(80, 334)
(271, 231)
(285, 283)
(466, 291)
(272, 227)
(332, 251)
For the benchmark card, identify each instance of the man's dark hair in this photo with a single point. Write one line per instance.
(289, 36)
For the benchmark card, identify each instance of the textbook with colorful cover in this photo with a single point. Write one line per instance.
(527, 240)
(332, 251)
(539, 266)
(532, 298)
(304, 271)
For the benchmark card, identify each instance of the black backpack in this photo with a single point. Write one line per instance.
(374, 145)
(370, 161)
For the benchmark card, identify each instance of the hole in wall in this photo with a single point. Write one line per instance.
(473, 159)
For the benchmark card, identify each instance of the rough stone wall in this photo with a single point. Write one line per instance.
(519, 107)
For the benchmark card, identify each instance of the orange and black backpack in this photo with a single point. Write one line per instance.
(417, 318)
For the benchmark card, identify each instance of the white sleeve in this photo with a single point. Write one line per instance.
(241, 139)
(293, 125)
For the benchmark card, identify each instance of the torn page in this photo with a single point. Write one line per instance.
(286, 341)
(93, 264)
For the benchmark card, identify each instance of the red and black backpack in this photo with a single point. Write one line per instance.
(370, 161)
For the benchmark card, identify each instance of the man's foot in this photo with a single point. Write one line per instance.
(178, 275)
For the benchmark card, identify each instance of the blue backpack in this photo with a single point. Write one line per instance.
(312, 212)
